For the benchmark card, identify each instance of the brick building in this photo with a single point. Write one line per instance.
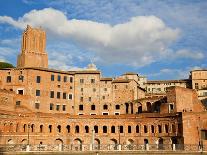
(39, 105)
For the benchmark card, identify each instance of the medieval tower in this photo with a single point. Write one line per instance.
(33, 52)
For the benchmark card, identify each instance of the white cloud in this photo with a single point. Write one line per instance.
(189, 54)
(138, 42)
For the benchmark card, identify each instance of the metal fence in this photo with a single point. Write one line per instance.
(107, 147)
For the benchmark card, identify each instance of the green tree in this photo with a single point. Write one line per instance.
(5, 65)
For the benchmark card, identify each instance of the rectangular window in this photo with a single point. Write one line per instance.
(64, 96)
(51, 106)
(37, 105)
(52, 77)
(38, 79)
(65, 78)
(21, 78)
(71, 79)
(8, 79)
(204, 134)
(57, 107)
(64, 107)
(70, 96)
(129, 129)
(59, 78)
(121, 129)
(92, 80)
(58, 95)
(80, 107)
(52, 94)
(196, 86)
(93, 107)
(21, 91)
(37, 92)
(105, 113)
(81, 80)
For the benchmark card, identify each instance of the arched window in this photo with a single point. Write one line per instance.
(41, 128)
(129, 129)
(145, 129)
(113, 129)
(137, 129)
(159, 128)
(117, 107)
(96, 129)
(104, 129)
(24, 127)
(50, 128)
(86, 129)
(76, 129)
(166, 128)
(32, 127)
(59, 128)
(152, 129)
(105, 106)
(68, 128)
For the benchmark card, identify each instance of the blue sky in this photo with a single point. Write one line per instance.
(156, 38)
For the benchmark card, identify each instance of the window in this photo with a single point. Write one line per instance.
(38, 79)
(103, 97)
(52, 94)
(37, 92)
(57, 107)
(196, 86)
(70, 96)
(81, 80)
(92, 80)
(145, 129)
(65, 79)
(8, 79)
(89, 99)
(59, 128)
(152, 129)
(104, 129)
(105, 89)
(129, 129)
(105, 82)
(204, 134)
(173, 128)
(166, 128)
(121, 129)
(81, 89)
(126, 86)
(96, 129)
(117, 106)
(41, 128)
(18, 103)
(80, 107)
(64, 96)
(105, 106)
(115, 87)
(64, 107)
(81, 99)
(59, 78)
(116, 113)
(137, 129)
(159, 128)
(105, 113)
(50, 128)
(68, 128)
(37, 105)
(58, 95)
(51, 106)
(71, 79)
(113, 129)
(171, 107)
(21, 78)
(86, 129)
(52, 77)
(93, 107)
(77, 129)
(71, 87)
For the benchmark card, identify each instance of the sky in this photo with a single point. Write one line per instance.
(159, 39)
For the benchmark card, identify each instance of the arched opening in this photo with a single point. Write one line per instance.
(86, 129)
(32, 128)
(97, 144)
(78, 144)
(11, 127)
(130, 144)
(145, 129)
(59, 143)
(24, 127)
(77, 129)
(146, 142)
(139, 109)
(68, 128)
(166, 128)
(96, 129)
(148, 104)
(127, 107)
(174, 142)
(152, 129)
(132, 110)
(160, 144)
(113, 144)
(17, 127)
(173, 128)
(137, 129)
(113, 129)
(159, 129)
(59, 128)
(50, 128)
(10, 142)
(104, 129)
(41, 128)
(129, 129)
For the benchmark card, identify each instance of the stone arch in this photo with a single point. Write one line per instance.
(97, 144)
(113, 144)
(24, 141)
(78, 144)
(59, 143)
(10, 142)
(130, 143)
